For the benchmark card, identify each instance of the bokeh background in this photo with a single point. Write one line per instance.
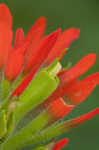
(83, 14)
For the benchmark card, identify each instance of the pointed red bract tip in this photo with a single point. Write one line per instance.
(59, 145)
(71, 34)
(37, 28)
(68, 125)
(58, 109)
(62, 43)
(5, 16)
(82, 89)
(15, 63)
(41, 52)
(35, 35)
(81, 67)
(86, 117)
(19, 38)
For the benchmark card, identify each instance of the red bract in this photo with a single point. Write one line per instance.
(42, 51)
(5, 37)
(5, 16)
(28, 56)
(15, 62)
(57, 110)
(78, 121)
(86, 117)
(81, 67)
(62, 43)
(19, 38)
(61, 110)
(72, 90)
(5, 33)
(35, 35)
(76, 91)
(60, 144)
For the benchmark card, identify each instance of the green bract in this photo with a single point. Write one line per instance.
(38, 90)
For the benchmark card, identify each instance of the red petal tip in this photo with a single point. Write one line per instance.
(71, 34)
(87, 116)
(19, 38)
(40, 22)
(59, 145)
(62, 43)
(37, 29)
(81, 67)
(55, 34)
(42, 19)
(5, 15)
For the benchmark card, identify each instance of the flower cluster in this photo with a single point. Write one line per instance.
(36, 92)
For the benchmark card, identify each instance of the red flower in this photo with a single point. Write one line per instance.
(35, 51)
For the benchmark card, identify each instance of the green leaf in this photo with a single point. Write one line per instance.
(20, 139)
(10, 125)
(5, 88)
(50, 133)
(3, 124)
(41, 148)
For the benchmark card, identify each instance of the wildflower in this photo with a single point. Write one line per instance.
(36, 91)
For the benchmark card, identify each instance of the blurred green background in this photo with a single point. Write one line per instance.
(83, 14)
